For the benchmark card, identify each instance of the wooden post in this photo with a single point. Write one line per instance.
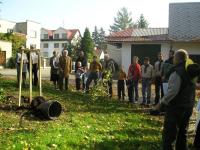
(30, 77)
(20, 77)
(40, 73)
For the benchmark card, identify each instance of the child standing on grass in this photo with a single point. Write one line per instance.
(147, 77)
(120, 83)
(79, 73)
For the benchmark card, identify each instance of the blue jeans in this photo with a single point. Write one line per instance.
(146, 90)
(92, 76)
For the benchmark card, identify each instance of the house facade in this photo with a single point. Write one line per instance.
(182, 33)
(57, 40)
(30, 29)
(5, 52)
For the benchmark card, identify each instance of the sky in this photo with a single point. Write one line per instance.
(79, 14)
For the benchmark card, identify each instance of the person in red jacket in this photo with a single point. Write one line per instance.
(134, 75)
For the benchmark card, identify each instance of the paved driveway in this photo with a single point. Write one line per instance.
(13, 73)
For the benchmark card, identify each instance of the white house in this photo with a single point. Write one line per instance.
(5, 51)
(30, 28)
(183, 33)
(57, 40)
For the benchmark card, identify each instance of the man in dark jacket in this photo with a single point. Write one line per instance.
(179, 102)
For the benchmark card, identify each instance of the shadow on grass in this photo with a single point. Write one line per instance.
(84, 101)
(134, 140)
(86, 104)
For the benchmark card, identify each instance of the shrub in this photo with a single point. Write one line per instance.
(99, 90)
(11, 63)
(2, 95)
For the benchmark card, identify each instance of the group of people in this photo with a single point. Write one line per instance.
(61, 68)
(25, 58)
(178, 102)
(178, 72)
(84, 75)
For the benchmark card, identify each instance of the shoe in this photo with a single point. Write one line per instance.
(147, 105)
(142, 104)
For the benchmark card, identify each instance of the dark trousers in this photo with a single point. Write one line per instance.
(110, 88)
(133, 90)
(158, 89)
(23, 78)
(35, 75)
(121, 89)
(175, 128)
(197, 137)
(83, 82)
(92, 76)
(63, 79)
(78, 83)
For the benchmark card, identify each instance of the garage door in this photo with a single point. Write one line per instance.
(195, 58)
(2, 57)
(146, 50)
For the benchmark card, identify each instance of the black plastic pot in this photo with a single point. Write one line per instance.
(50, 109)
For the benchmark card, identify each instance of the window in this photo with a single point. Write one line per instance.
(45, 45)
(33, 45)
(33, 34)
(9, 30)
(46, 36)
(64, 45)
(56, 45)
(118, 45)
(64, 36)
(45, 54)
(56, 36)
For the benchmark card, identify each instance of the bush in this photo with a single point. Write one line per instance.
(11, 63)
(99, 90)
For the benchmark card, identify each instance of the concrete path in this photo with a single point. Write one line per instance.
(13, 73)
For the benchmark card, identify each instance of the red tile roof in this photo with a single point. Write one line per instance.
(130, 35)
(124, 33)
(70, 32)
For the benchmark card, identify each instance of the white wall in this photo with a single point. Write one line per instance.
(51, 48)
(5, 25)
(192, 48)
(123, 55)
(126, 55)
(114, 53)
(6, 46)
(33, 27)
(42, 32)
(76, 38)
(60, 31)
(165, 48)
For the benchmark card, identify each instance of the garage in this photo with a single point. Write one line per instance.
(146, 50)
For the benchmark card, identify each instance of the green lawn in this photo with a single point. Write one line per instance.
(83, 124)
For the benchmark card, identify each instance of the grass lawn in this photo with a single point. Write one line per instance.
(83, 124)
